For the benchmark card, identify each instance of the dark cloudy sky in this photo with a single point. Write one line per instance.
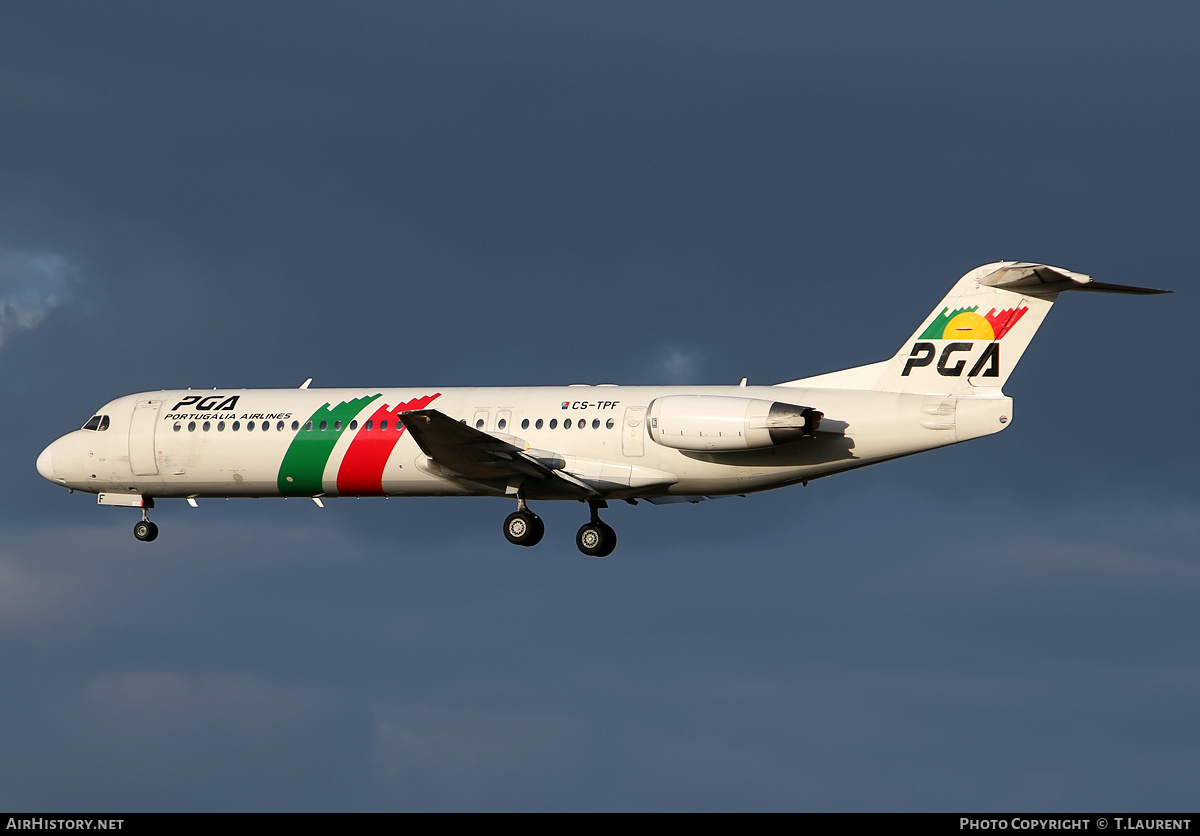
(379, 194)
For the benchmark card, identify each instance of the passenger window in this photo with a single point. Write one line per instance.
(524, 423)
(553, 423)
(249, 426)
(501, 424)
(206, 426)
(608, 424)
(354, 425)
(595, 423)
(383, 425)
(178, 426)
(191, 426)
(295, 426)
(337, 426)
(220, 426)
(237, 425)
(324, 425)
(308, 426)
(279, 426)
(567, 424)
(370, 425)
(538, 425)
(479, 424)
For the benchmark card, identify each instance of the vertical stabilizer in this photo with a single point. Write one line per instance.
(970, 343)
(973, 339)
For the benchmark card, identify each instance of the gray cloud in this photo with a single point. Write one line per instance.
(31, 284)
(674, 365)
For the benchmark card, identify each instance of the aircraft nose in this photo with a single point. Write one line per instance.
(45, 463)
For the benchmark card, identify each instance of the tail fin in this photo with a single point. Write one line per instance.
(970, 343)
(973, 339)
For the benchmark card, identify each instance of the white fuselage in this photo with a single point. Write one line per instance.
(333, 442)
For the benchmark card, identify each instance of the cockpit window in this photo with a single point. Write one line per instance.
(97, 422)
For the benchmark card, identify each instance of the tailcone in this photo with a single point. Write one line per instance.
(977, 417)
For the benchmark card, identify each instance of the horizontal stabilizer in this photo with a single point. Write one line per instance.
(1103, 287)
(1043, 280)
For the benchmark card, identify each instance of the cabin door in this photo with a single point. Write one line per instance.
(141, 438)
(633, 431)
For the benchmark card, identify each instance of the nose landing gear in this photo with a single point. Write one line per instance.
(145, 530)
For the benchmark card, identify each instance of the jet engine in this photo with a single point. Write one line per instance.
(705, 423)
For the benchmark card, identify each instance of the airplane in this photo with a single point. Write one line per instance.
(592, 444)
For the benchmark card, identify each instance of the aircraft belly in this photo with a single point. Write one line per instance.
(411, 481)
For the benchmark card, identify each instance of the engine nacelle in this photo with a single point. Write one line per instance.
(706, 423)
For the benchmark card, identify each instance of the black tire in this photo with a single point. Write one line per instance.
(539, 529)
(596, 539)
(524, 528)
(145, 531)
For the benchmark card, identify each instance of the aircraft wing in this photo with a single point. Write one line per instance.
(481, 457)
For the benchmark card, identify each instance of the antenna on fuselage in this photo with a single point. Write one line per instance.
(304, 385)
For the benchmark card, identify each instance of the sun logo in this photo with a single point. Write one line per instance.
(968, 324)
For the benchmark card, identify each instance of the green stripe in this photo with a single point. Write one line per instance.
(304, 463)
(936, 329)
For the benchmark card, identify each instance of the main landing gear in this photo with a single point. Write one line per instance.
(595, 538)
(523, 527)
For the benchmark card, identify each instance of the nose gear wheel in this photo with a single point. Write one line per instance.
(145, 530)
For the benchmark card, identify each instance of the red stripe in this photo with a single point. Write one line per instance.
(361, 470)
(1003, 321)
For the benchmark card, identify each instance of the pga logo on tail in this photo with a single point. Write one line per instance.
(964, 324)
